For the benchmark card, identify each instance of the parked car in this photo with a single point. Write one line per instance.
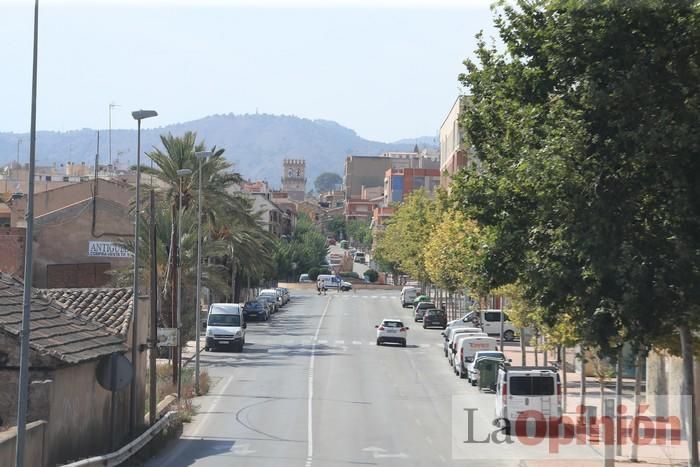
(225, 326)
(257, 309)
(527, 389)
(359, 257)
(276, 294)
(408, 294)
(453, 354)
(450, 333)
(271, 301)
(420, 309)
(284, 294)
(467, 348)
(472, 370)
(490, 322)
(434, 317)
(304, 278)
(392, 330)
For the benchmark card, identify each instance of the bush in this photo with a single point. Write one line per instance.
(371, 275)
(352, 274)
(313, 273)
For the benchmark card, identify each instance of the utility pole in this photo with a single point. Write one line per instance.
(154, 318)
(19, 141)
(23, 387)
(111, 106)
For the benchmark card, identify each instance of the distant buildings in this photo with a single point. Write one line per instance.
(294, 178)
(398, 183)
(454, 151)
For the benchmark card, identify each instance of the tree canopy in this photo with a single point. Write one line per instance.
(327, 181)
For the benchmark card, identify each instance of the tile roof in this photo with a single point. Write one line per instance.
(111, 307)
(55, 330)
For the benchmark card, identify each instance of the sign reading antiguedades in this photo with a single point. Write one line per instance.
(108, 250)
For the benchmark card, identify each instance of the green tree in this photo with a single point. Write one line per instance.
(327, 181)
(358, 232)
(590, 166)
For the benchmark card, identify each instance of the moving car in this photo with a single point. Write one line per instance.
(527, 389)
(225, 326)
(333, 282)
(258, 309)
(434, 317)
(420, 308)
(391, 330)
(408, 294)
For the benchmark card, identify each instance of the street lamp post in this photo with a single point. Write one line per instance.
(182, 173)
(198, 326)
(138, 116)
(111, 106)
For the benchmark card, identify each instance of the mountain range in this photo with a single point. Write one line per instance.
(255, 143)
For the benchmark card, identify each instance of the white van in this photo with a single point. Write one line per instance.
(467, 347)
(408, 294)
(452, 334)
(490, 322)
(460, 334)
(332, 282)
(534, 392)
(225, 326)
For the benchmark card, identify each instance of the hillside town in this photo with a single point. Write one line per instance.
(173, 309)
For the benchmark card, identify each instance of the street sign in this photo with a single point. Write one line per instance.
(114, 372)
(167, 337)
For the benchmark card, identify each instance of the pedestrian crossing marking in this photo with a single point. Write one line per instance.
(356, 342)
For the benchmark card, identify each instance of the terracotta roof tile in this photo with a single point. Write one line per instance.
(111, 307)
(56, 330)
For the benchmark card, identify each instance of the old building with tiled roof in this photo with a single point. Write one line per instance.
(74, 332)
(111, 307)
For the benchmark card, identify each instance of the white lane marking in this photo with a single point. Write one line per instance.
(243, 449)
(357, 342)
(215, 402)
(310, 433)
(429, 439)
(418, 422)
(442, 458)
(323, 341)
(439, 345)
(339, 342)
(425, 345)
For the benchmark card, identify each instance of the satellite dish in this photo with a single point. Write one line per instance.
(114, 372)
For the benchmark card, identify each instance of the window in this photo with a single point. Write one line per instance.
(532, 385)
(492, 316)
(224, 320)
(393, 324)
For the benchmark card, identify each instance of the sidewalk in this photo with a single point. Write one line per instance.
(667, 454)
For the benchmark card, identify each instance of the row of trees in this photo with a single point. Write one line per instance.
(582, 201)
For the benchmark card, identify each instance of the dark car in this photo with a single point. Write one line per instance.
(257, 309)
(271, 301)
(421, 308)
(434, 317)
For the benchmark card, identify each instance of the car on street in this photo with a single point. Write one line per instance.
(457, 338)
(434, 317)
(274, 293)
(490, 322)
(526, 390)
(472, 372)
(284, 293)
(271, 301)
(359, 257)
(408, 294)
(225, 327)
(420, 308)
(304, 279)
(467, 348)
(256, 309)
(392, 330)
(450, 333)
(331, 281)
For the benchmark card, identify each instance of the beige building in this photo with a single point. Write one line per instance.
(78, 233)
(454, 151)
(294, 178)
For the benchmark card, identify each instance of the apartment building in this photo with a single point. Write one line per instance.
(454, 151)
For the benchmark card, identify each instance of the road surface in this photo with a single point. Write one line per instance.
(312, 388)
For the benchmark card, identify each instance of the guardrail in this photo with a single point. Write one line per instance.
(117, 457)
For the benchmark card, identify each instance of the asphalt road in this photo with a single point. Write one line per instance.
(312, 388)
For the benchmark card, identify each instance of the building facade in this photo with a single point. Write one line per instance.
(454, 151)
(398, 183)
(294, 178)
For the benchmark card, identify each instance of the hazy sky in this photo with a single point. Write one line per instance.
(386, 72)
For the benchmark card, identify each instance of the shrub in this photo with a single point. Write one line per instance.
(352, 274)
(313, 273)
(371, 275)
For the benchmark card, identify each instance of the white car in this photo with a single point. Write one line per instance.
(473, 373)
(392, 330)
